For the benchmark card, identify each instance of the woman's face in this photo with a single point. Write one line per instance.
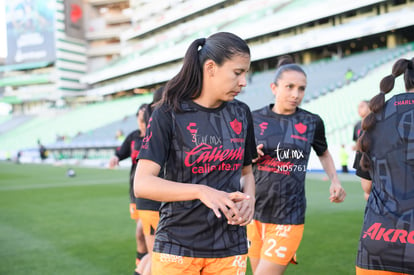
(289, 91)
(363, 109)
(141, 122)
(226, 81)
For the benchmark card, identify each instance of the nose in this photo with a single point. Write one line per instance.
(295, 93)
(242, 81)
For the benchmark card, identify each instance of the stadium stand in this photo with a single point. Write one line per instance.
(160, 32)
(69, 124)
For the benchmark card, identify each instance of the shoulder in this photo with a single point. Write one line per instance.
(239, 104)
(303, 112)
(261, 111)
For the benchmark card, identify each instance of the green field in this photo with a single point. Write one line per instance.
(53, 224)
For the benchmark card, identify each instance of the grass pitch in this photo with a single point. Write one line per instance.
(54, 224)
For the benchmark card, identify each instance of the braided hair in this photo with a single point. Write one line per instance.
(376, 104)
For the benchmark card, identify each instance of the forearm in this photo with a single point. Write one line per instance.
(329, 166)
(159, 189)
(247, 181)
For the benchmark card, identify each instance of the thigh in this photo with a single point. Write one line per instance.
(133, 211)
(149, 221)
(281, 242)
(255, 237)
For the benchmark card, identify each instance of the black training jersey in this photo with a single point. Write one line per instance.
(130, 148)
(357, 130)
(280, 173)
(200, 146)
(387, 238)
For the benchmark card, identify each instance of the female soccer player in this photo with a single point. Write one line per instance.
(148, 210)
(285, 135)
(130, 148)
(386, 244)
(204, 140)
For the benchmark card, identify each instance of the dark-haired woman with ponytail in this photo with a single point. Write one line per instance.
(386, 245)
(204, 140)
(285, 135)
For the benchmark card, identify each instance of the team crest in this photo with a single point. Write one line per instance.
(301, 128)
(236, 126)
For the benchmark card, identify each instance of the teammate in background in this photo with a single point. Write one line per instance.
(363, 111)
(386, 244)
(148, 210)
(343, 157)
(285, 135)
(204, 139)
(130, 148)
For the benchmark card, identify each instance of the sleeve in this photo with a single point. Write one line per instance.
(355, 134)
(250, 146)
(359, 172)
(319, 142)
(158, 137)
(124, 151)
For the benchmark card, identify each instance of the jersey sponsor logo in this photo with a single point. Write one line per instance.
(145, 141)
(239, 261)
(167, 258)
(377, 233)
(404, 102)
(204, 154)
(281, 163)
(263, 127)
(270, 164)
(236, 126)
(282, 154)
(192, 131)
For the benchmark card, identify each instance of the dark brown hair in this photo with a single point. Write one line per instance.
(376, 104)
(286, 63)
(187, 84)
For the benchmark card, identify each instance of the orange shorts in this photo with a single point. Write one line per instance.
(361, 271)
(133, 211)
(149, 221)
(167, 264)
(276, 243)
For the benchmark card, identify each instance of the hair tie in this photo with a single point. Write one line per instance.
(410, 65)
(382, 93)
(202, 41)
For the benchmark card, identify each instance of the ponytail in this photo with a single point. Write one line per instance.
(187, 84)
(376, 105)
(286, 63)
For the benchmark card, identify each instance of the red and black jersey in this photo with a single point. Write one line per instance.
(280, 174)
(200, 146)
(387, 238)
(357, 130)
(130, 148)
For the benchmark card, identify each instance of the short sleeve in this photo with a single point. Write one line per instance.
(250, 146)
(157, 140)
(359, 172)
(319, 142)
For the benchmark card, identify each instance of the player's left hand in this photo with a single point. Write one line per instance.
(246, 211)
(337, 192)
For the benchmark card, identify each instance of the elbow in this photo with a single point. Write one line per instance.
(137, 188)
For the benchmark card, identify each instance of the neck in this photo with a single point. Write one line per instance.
(276, 109)
(207, 102)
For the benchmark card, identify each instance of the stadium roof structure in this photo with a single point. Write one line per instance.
(27, 79)
(24, 66)
(274, 47)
